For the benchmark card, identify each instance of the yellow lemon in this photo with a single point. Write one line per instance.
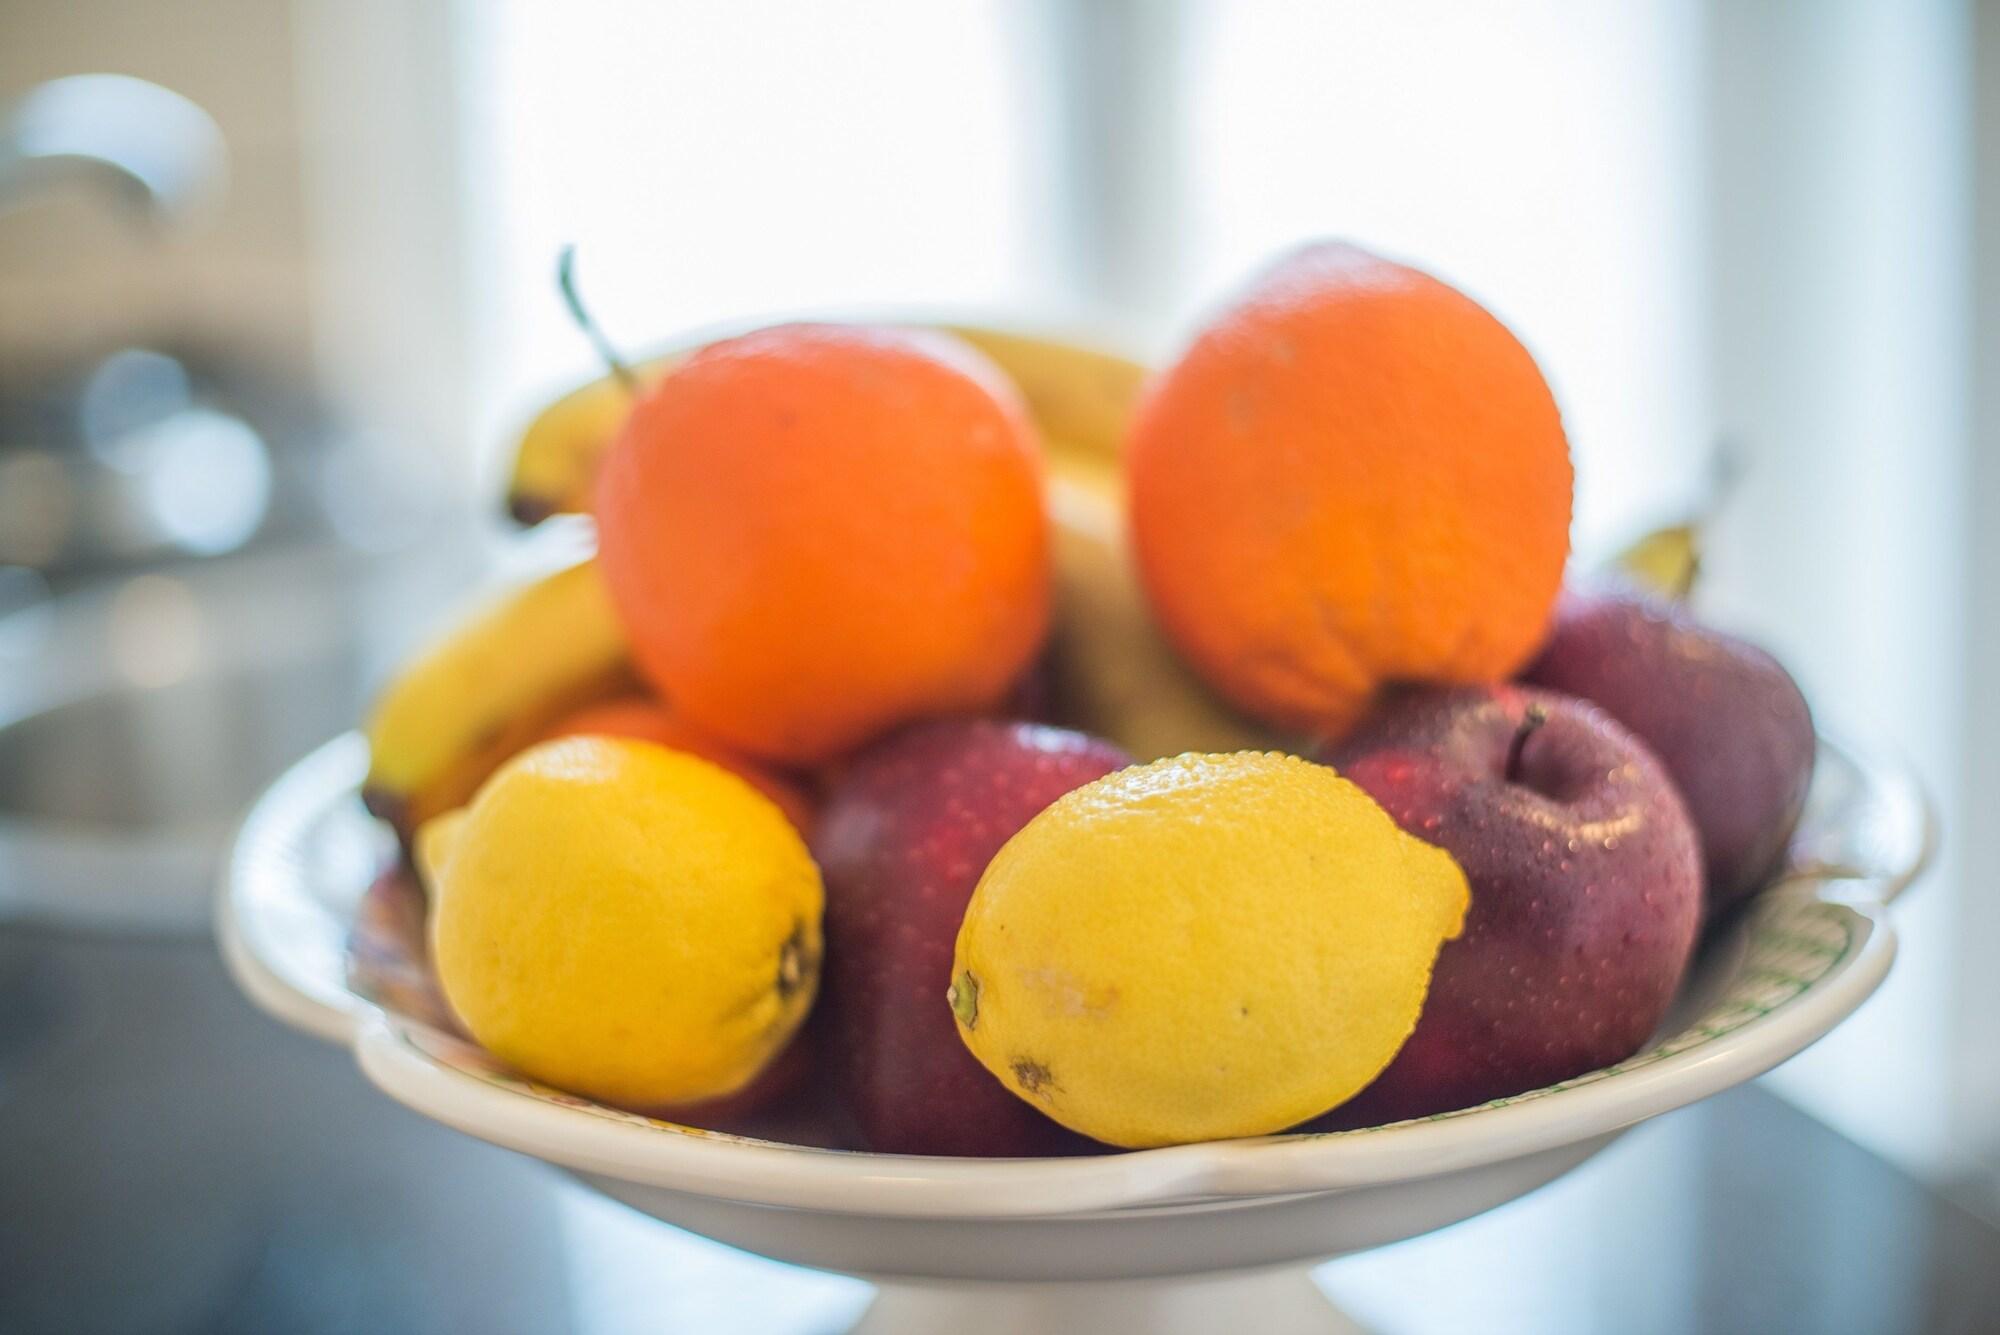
(1202, 947)
(624, 921)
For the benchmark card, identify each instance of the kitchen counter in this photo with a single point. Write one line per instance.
(171, 1161)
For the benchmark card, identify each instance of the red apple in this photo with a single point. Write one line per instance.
(1586, 889)
(1724, 717)
(904, 836)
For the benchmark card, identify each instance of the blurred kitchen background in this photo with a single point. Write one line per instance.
(267, 317)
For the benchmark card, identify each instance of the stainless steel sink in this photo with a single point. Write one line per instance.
(138, 718)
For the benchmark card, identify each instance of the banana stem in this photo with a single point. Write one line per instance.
(620, 369)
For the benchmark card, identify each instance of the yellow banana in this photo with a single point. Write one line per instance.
(1665, 561)
(555, 459)
(1113, 673)
(1079, 398)
(485, 690)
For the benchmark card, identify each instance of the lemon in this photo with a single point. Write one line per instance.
(624, 921)
(1199, 948)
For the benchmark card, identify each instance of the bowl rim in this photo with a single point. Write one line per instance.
(260, 902)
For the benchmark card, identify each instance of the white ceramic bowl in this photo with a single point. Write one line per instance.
(1103, 1242)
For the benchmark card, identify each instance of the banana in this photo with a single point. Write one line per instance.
(486, 689)
(1078, 397)
(556, 456)
(1113, 673)
(1665, 561)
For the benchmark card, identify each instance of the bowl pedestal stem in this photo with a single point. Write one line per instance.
(1269, 1302)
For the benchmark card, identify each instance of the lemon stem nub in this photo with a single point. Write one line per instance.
(964, 998)
(792, 963)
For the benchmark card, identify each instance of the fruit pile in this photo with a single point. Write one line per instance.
(1018, 756)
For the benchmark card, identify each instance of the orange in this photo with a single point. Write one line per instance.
(1354, 475)
(815, 532)
(648, 720)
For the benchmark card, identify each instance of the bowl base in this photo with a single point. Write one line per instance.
(1271, 1302)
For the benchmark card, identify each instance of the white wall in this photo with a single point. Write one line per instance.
(1838, 308)
(380, 106)
(1975, 1119)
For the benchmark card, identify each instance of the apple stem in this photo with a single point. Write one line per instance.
(1533, 719)
(620, 369)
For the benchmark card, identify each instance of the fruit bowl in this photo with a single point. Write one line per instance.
(1154, 1239)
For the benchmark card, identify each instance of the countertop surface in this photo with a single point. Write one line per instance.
(171, 1161)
